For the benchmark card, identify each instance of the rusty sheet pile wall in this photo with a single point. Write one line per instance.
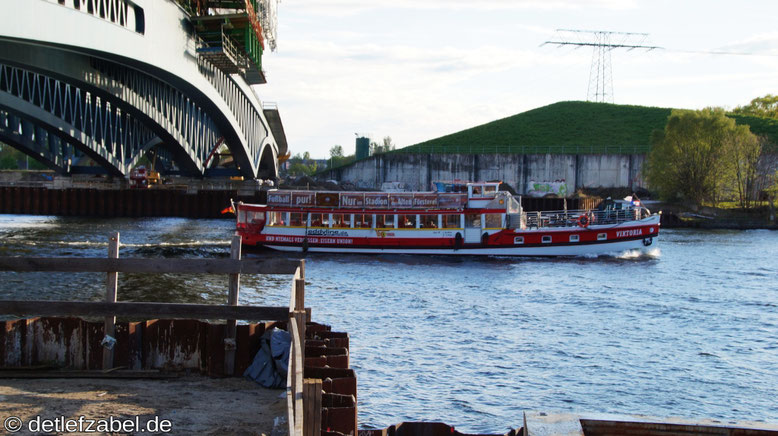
(180, 344)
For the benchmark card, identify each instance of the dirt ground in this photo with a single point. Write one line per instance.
(192, 404)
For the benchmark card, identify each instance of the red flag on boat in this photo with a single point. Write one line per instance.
(228, 209)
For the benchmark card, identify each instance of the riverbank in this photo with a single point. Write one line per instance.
(677, 216)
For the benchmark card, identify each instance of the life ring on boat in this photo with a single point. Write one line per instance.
(584, 221)
(648, 241)
(458, 241)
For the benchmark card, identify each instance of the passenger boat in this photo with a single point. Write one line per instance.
(458, 219)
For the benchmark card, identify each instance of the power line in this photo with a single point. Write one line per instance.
(603, 43)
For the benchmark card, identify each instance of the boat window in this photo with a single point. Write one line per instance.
(473, 220)
(341, 220)
(363, 221)
(451, 221)
(317, 220)
(493, 221)
(490, 189)
(574, 238)
(429, 222)
(602, 236)
(297, 219)
(384, 221)
(546, 239)
(276, 219)
(406, 221)
(255, 217)
(241, 216)
(518, 240)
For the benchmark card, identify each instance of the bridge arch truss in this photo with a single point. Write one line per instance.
(58, 100)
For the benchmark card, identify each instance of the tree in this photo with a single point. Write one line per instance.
(300, 165)
(692, 159)
(385, 147)
(766, 107)
(745, 151)
(337, 157)
(336, 151)
(771, 192)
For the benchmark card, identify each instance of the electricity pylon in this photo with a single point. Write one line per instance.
(602, 42)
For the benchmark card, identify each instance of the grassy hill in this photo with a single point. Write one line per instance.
(570, 127)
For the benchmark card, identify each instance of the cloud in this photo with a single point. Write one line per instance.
(327, 91)
(337, 7)
(761, 44)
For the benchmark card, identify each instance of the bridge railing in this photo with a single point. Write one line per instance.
(124, 13)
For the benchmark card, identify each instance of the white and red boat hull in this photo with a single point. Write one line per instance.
(596, 239)
(482, 221)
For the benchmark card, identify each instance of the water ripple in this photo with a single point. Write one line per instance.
(689, 330)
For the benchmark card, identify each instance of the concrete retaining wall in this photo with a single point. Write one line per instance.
(517, 170)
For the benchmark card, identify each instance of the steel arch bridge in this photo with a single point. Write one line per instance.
(114, 79)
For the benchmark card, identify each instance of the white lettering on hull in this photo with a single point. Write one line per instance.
(627, 233)
(314, 240)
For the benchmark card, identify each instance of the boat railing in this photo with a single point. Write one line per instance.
(583, 218)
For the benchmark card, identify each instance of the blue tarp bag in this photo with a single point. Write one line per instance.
(272, 360)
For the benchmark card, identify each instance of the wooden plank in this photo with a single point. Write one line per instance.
(298, 378)
(312, 403)
(299, 287)
(299, 294)
(142, 310)
(543, 424)
(111, 284)
(232, 300)
(127, 265)
(300, 319)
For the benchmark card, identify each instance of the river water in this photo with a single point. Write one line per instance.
(689, 330)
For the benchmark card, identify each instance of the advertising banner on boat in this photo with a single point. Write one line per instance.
(303, 199)
(327, 199)
(279, 198)
(425, 201)
(401, 200)
(352, 200)
(376, 200)
(452, 201)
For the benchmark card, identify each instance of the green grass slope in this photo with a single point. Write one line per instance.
(569, 127)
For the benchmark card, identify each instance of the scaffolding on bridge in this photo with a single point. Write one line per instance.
(233, 34)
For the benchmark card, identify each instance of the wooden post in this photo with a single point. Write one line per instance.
(111, 284)
(300, 315)
(312, 407)
(230, 330)
(300, 319)
(299, 288)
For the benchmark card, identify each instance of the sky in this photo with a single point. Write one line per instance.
(415, 70)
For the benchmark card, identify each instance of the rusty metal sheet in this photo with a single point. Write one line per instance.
(73, 343)
(340, 419)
